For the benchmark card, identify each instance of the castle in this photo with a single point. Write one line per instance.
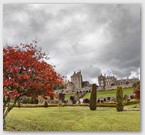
(76, 81)
(110, 81)
(105, 83)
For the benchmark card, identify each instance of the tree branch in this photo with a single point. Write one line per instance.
(11, 107)
(5, 102)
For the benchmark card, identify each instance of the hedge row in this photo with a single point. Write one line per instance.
(131, 102)
(86, 104)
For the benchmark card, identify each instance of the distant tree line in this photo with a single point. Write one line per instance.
(29, 100)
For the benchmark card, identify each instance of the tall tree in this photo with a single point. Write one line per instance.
(119, 99)
(26, 72)
(93, 98)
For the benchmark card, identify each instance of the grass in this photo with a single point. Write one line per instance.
(110, 93)
(104, 93)
(67, 96)
(72, 119)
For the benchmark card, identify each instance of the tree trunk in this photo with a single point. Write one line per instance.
(9, 108)
(19, 102)
(4, 117)
(4, 124)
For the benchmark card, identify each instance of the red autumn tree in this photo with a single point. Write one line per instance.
(137, 91)
(26, 72)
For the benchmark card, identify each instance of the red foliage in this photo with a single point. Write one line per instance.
(25, 72)
(137, 93)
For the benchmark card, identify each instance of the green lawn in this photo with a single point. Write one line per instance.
(67, 96)
(110, 93)
(107, 93)
(72, 119)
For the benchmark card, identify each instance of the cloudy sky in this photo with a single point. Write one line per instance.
(93, 38)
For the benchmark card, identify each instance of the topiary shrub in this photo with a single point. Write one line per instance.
(35, 101)
(93, 98)
(119, 99)
(72, 99)
(132, 96)
(45, 104)
(108, 98)
(32, 100)
(104, 99)
(86, 100)
(28, 100)
(24, 100)
(61, 97)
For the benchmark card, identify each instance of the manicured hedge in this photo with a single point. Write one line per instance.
(119, 99)
(84, 104)
(93, 98)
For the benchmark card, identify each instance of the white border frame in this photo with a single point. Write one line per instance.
(142, 2)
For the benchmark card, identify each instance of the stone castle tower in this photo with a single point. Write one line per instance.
(101, 81)
(109, 81)
(76, 79)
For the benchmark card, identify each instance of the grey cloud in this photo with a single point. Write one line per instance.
(91, 37)
(91, 71)
(125, 72)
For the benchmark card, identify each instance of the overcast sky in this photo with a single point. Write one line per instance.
(93, 38)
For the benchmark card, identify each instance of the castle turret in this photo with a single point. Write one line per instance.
(76, 79)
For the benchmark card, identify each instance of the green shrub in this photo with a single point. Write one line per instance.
(93, 98)
(132, 97)
(108, 98)
(72, 99)
(102, 100)
(32, 101)
(28, 100)
(119, 99)
(86, 100)
(45, 104)
(35, 101)
(24, 100)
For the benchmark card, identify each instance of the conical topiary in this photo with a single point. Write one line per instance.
(93, 98)
(45, 103)
(119, 99)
